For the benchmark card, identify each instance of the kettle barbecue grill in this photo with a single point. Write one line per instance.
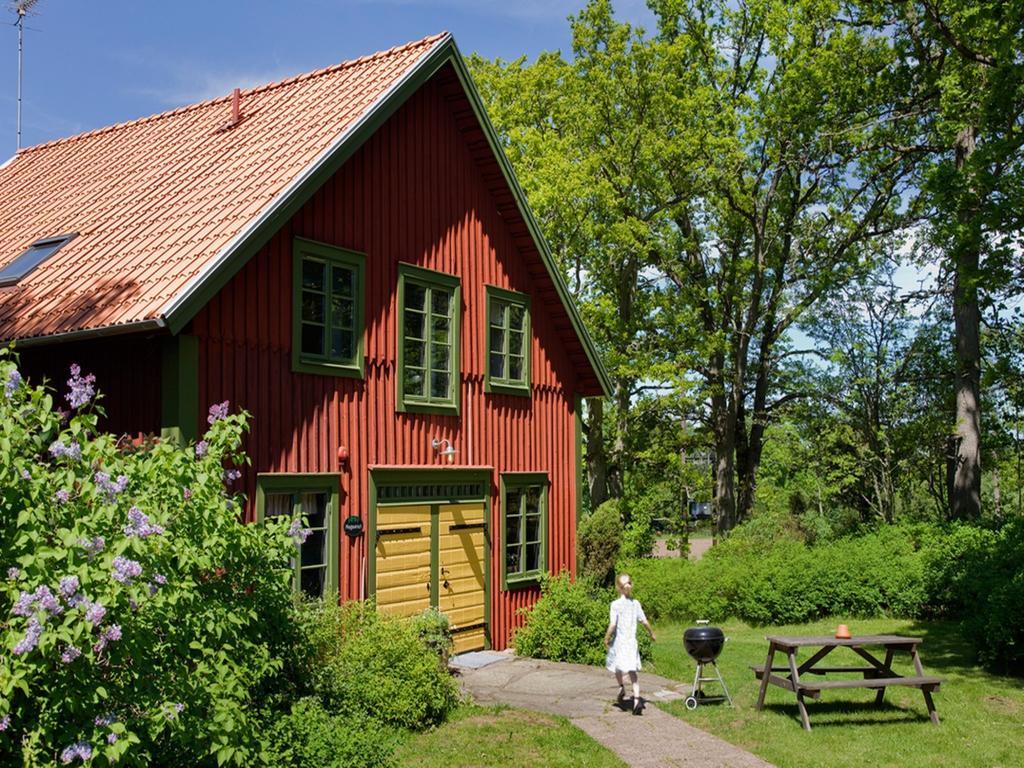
(704, 643)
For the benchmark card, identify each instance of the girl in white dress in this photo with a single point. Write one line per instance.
(623, 653)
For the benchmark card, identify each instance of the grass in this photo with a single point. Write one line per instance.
(981, 713)
(499, 737)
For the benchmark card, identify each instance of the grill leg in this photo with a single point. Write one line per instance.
(697, 684)
(721, 681)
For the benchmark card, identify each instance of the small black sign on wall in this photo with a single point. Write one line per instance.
(353, 525)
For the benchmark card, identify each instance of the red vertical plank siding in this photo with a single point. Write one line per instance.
(413, 193)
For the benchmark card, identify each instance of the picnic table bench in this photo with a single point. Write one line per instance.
(877, 674)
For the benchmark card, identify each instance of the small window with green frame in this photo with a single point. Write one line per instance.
(328, 312)
(311, 499)
(524, 530)
(508, 342)
(429, 306)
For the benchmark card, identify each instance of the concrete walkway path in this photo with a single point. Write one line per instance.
(586, 696)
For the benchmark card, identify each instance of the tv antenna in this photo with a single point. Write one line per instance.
(22, 8)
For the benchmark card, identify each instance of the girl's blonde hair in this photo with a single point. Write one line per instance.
(621, 578)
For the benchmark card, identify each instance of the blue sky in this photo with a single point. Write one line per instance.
(90, 64)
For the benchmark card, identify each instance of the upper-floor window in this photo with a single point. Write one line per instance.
(508, 342)
(328, 288)
(428, 340)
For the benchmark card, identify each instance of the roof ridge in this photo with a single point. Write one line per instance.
(425, 41)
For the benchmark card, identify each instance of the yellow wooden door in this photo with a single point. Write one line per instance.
(403, 559)
(461, 552)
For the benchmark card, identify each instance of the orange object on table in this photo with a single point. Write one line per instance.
(843, 632)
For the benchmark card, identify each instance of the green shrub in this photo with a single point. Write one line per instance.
(141, 616)
(598, 539)
(357, 661)
(638, 535)
(434, 629)
(955, 561)
(308, 735)
(662, 585)
(568, 623)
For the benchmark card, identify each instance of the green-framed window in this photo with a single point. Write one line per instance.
(508, 342)
(328, 285)
(524, 528)
(429, 308)
(312, 499)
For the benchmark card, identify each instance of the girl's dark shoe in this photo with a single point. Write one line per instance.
(638, 706)
(621, 697)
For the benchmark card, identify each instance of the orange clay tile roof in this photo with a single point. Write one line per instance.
(154, 201)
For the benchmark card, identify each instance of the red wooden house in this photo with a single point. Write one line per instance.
(347, 256)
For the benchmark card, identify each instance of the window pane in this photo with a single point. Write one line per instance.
(498, 310)
(312, 339)
(314, 509)
(342, 312)
(439, 357)
(277, 504)
(516, 316)
(415, 296)
(533, 500)
(312, 581)
(342, 344)
(532, 557)
(497, 340)
(440, 301)
(312, 550)
(441, 329)
(414, 325)
(512, 529)
(312, 307)
(342, 281)
(439, 385)
(413, 383)
(497, 365)
(513, 558)
(515, 343)
(515, 368)
(313, 274)
(533, 527)
(414, 353)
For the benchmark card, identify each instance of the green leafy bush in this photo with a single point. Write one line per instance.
(357, 661)
(140, 615)
(308, 735)
(598, 540)
(434, 629)
(568, 623)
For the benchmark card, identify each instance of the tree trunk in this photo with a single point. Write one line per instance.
(725, 451)
(597, 461)
(965, 499)
(619, 464)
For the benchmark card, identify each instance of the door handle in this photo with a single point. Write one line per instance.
(446, 584)
(428, 586)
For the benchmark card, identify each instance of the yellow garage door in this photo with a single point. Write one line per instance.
(403, 564)
(461, 552)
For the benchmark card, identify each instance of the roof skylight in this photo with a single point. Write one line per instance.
(36, 254)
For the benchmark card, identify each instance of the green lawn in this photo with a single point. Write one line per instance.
(499, 737)
(981, 714)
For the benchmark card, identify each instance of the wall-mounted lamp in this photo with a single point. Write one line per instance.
(343, 455)
(448, 451)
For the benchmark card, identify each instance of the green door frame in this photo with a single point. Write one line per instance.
(429, 482)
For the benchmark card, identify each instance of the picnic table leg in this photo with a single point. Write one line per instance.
(794, 675)
(804, 719)
(926, 690)
(888, 665)
(766, 675)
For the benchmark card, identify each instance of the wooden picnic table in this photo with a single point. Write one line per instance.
(878, 674)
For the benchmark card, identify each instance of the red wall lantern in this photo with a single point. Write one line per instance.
(343, 455)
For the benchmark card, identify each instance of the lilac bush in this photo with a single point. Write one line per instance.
(139, 613)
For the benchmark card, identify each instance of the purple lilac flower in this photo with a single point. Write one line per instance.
(42, 599)
(139, 525)
(110, 489)
(82, 390)
(94, 547)
(218, 412)
(25, 604)
(111, 738)
(80, 749)
(124, 569)
(26, 475)
(68, 587)
(110, 634)
(231, 475)
(13, 573)
(69, 654)
(5, 722)
(187, 493)
(72, 451)
(94, 613)
(104, 720)
(31, 639)
(14, 381)
(158, 581)
(62, 496)
(297, 532)
(201, 448)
